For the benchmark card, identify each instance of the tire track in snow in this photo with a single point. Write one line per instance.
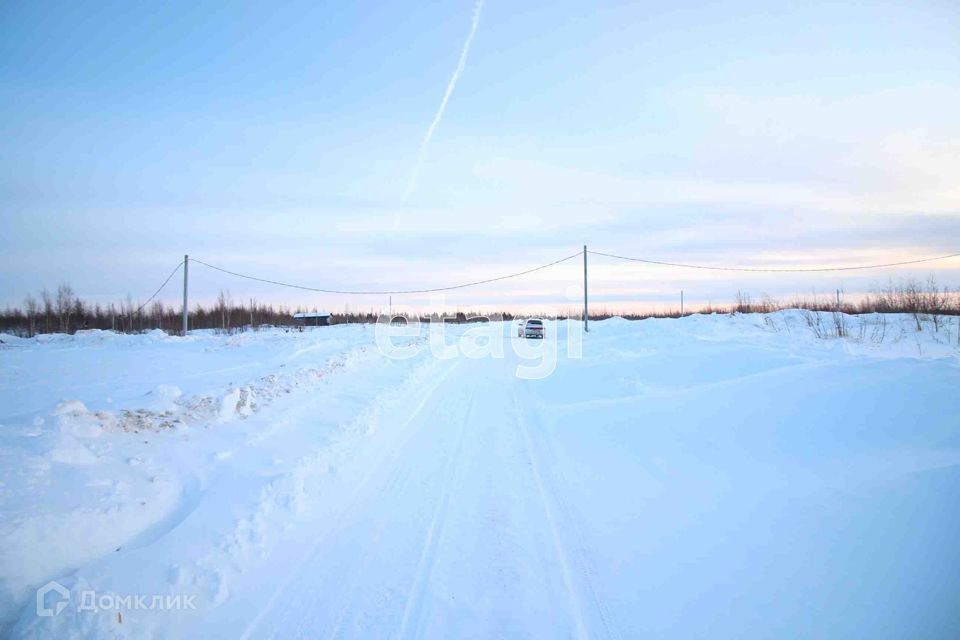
(413, 611)
(575, 526)
(397, 479)
(355, 497)
(562, 553)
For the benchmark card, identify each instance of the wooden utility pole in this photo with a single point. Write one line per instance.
(586, 312)
(186, 265)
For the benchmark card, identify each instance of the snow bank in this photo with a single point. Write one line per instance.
(149, 419)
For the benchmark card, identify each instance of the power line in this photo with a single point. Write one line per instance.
(172, 273)
(713, 268)
(378, 293)
(532, 270)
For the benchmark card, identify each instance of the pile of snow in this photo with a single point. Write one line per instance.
(108, 440)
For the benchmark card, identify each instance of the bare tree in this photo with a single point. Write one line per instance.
(80, 313)
(127, 310)
(47, 309)
(64, 306)
(223, 307)
(936, 301)
(157, 312)
(30, 308)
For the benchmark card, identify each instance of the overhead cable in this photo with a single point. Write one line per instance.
(772, 270)
(172, 273)
(385, 292)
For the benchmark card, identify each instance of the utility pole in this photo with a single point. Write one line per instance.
(186, 265)
(681, 302)
(586, 313)
(391, 308)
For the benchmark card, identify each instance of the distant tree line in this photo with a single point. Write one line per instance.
(65, 312)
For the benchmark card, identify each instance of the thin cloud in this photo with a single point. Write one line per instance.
(477, 8)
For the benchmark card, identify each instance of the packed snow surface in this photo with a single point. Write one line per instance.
(749, 476)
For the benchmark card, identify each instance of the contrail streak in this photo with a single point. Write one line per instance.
(477, 8)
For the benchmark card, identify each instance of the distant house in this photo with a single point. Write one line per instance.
(311, 319)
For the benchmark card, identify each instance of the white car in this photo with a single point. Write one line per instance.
(532, 328)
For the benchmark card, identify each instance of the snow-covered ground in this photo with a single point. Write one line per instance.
(712, 476)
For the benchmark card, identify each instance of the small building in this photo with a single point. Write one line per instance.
(311, 318)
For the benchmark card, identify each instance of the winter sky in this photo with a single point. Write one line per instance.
(408, 145)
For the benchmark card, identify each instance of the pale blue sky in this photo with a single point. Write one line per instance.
(279, 140)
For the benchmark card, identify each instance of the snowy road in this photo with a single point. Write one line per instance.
(457, 534)
(724, 477)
